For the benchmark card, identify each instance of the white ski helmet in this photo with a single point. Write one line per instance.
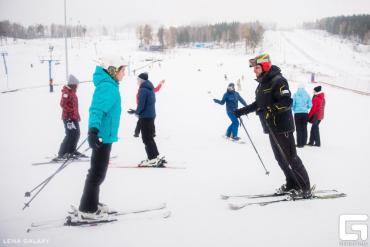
(112, 60)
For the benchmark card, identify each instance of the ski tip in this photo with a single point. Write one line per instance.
(167, 214)
(224, 197)
(234, 207)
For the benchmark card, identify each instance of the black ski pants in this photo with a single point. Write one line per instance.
(289, 162)
(72, 135)
(147, 134)
(301, 120)
(315, 133)
(95, 177)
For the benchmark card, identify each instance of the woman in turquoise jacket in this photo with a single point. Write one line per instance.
(104, 118)
(301, 105)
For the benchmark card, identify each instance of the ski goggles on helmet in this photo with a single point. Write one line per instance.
(252, 62)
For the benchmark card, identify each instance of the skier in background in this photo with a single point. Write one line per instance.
(316, 115)
(71, 118)
(231, 98)
(146, 112)
(273, 106)
(239, 85)
(138, 127)
(301, 105)
(104, 120)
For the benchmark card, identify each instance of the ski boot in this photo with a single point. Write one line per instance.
(159, 161)
(77, 155)
(61, 158)
(300, 194)
(77, 216)
(285, 189)
(105, 209)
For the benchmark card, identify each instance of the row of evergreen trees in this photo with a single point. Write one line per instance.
(226, 33)
(15, 30)
(355, 27)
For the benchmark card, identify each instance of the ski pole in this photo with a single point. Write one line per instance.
(255, 149)
(27, 194)
(283, 155)
(47, 180)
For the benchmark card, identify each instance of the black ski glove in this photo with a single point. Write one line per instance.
(93, 139)
(131, 111)
(241, 111)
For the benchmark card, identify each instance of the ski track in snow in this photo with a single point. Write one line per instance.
(189, 127)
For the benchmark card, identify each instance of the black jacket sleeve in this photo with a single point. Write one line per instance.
(282, 96)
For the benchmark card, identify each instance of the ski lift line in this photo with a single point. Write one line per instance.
(152, 62)
(335, 86)
(39, 86)
(345, 88)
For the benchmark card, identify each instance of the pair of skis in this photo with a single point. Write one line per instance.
(160, 210)
(74, 160)
(273, 198)
(111, 164)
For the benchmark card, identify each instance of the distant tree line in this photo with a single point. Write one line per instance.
(15, 30)
(223, 33)
(352, 27)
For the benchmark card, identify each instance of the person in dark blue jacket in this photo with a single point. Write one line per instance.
(146, 112)
(231, 98)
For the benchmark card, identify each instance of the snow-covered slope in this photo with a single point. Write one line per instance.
(333, 60)
(189, 132)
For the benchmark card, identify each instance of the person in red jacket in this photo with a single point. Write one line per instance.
(156, 89)
(71, 118)
(315, 116)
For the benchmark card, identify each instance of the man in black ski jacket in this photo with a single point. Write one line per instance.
(273, 106)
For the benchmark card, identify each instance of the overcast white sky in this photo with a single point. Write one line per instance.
(175, 12)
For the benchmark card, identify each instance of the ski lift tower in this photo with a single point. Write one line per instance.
(3, 54)
(50, 61)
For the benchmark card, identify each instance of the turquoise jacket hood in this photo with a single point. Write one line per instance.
(301, 101)
(105, 109)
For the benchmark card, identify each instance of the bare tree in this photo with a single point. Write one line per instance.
(148, 34)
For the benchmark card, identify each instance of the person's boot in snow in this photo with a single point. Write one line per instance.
(105, 209)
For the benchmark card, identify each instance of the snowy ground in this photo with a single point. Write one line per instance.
(189, 130)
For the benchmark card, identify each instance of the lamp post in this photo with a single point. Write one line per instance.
(65, 37)
(3, 54)
(50, 61)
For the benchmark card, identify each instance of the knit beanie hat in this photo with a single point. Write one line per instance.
(72, 80)
(143, 76)
(317, 89)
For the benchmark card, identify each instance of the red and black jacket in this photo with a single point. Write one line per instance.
(69, 104)
(318, 106)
